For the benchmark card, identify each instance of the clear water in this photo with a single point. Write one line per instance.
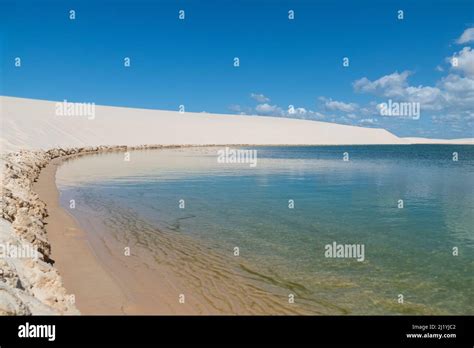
(408, 251)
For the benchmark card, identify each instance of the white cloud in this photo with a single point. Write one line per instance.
(458, 92)
(395, 86)
(368, 121)
(451, 98)
(240, 110)
(297, 111)
(338, 105)
(428, 97)
(235, 108)
(391, 86)
(259, 97)
(465, 61)
(292, 111)
(268, 109)
(466, 36)
(455, 84)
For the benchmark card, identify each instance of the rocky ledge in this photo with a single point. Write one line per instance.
(31, 285)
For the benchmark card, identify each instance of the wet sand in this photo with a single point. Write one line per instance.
(94, 289)
(160, 269)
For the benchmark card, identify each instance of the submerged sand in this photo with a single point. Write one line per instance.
(104, 280)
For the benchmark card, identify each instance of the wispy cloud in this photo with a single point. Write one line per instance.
(463, 61)
(368, 121)
(335, 105)
(451, 92)
(392, 85)
(259, 97)
(268, 109)
(466, 36)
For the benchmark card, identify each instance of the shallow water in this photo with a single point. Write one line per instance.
(408, 250)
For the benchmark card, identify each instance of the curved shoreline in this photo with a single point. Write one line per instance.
(103, 283)
(73, 255)
(164, 265)
(32, 284)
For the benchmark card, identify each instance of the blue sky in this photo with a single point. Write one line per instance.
(282, 62)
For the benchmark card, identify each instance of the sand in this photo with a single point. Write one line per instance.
(33, 124)
(94, 289)
(463, 141)
(105, 281)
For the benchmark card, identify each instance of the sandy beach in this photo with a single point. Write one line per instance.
(121, 285)
(74, 258)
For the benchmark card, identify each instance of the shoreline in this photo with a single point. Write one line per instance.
(151, 283)
(102, 283)
(72, 253)
(33, 285)
(78, 261)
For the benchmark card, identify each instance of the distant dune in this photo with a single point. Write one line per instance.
(465, 141)
(34, 124)
(28, 123)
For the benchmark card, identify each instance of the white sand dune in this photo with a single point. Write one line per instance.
(464, 141)
(28, 123)
(34, 124)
